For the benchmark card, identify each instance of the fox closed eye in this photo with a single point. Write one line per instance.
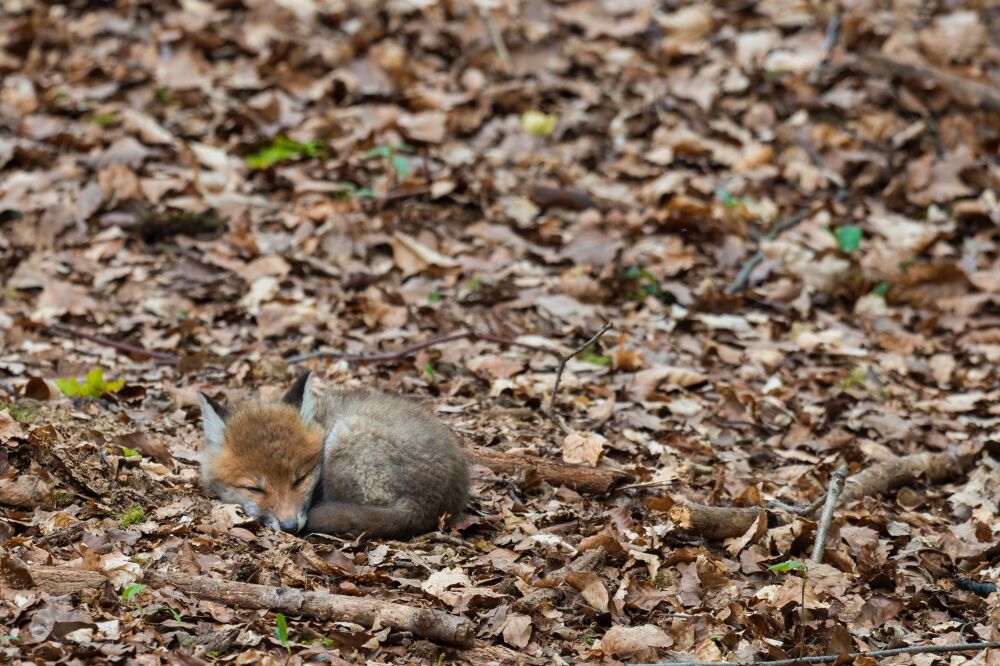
(300, 480)
(255, 489)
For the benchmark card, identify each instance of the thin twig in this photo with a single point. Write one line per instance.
(832, 35)
(566, 359)
(832, 495)
(496, 36)
(163, 357)
(390, 356)
(743, 276)
(828, 658)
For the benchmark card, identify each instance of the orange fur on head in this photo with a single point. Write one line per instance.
(269, 462)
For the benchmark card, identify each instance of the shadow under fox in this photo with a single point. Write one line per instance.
(341, 462)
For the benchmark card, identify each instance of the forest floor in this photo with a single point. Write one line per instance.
(788, 213)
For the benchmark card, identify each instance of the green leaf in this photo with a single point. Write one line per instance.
(9, 638)
(378, 151)
(175, 614)
(429, 369)
(282, 630)
(537, 123)
(881, 289)
(94, 385)
(434, 297)
(129, 453)
(133, 516)
(281, 149)
(132, 591)
(790, 565)
(595, 359)
(401, 166)
(69, 386)
(365, 192)
(848, 238)
(727, 198)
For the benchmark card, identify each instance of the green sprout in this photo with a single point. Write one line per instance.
(281, 149)
(135, 515)
(282, 630)
(93, 386)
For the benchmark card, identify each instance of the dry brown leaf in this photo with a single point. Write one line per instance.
(640, 643)
(925, 285)
(583, 448)
(591, 588)
(25, 490)
(665, 378)
(517, 630)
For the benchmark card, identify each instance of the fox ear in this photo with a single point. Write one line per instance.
(213, 416)
(301, 397)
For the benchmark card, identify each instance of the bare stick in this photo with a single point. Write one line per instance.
(722, 522)
(968, 92)
(163, 357)
(421, 622)
(597, 480)
(563, 360)
(832, 32)
(890, 474)
(713, 522)
(829, 658)
(497, 38)
(390, 356)
(740, 283)
(832, 495)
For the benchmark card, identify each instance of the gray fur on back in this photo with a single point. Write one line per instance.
(383, 450)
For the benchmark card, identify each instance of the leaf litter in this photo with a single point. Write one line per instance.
(229, 185)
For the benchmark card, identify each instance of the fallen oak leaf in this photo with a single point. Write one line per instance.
(646, 382)
(583, 448)
(639, 643)
(412, 256)
(591, 588)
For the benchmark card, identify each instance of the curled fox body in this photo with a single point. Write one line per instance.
(342, 462)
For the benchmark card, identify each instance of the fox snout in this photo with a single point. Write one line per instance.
(285, 523)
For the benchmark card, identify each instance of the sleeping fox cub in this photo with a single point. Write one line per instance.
(378, 464)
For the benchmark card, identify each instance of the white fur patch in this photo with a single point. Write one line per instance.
(215, 427)
(308, 409)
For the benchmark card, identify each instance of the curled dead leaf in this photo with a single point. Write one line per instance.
(591, 588)
(583, 448)
(647, 382)
(925, 285)
(640, 643)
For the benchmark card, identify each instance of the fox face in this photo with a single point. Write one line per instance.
(265, 457)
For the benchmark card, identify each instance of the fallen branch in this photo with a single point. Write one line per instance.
(830, 41)
(549, 592)
(427, 623)
(597, 480)
(162, 357)
(740, 283)
(968, 92)
(497, 38)
(563, 360)
(713, 522)
(399, 354)
(720, 522)
(832, 495)
(891, 474)
(829, 658)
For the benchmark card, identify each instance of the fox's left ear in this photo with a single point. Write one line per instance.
(301, 397)
(213, 416)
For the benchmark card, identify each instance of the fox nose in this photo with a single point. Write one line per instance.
(289, 525)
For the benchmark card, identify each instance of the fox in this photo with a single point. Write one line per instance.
(344, 462)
